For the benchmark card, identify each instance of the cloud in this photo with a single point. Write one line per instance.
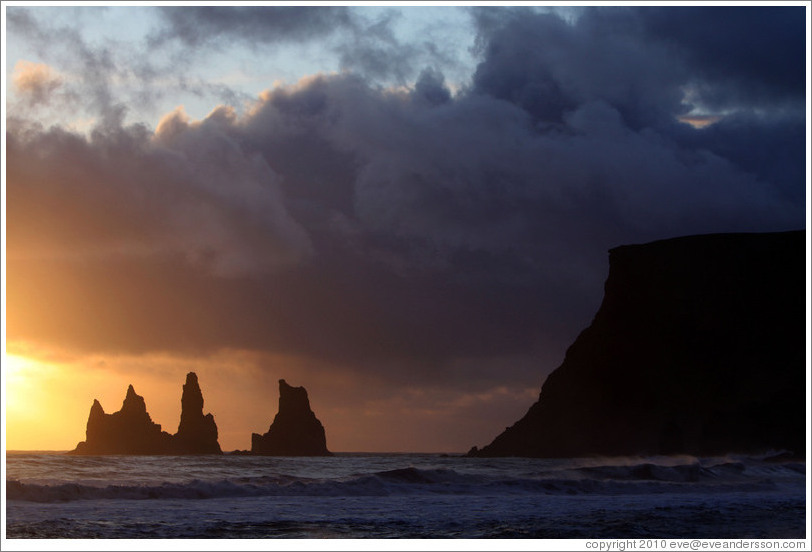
(756, 58)
(655, 66)
(365, 42)
(549, 66)
(187, 189)
(110, 77)
(203, 25)
(36, 82)
(94, 67)
(408, 234)
(644, 61)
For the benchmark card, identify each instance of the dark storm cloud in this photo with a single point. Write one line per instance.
(773, 148)
(196, 26)
(186, 189)
(549, 67)
(397, 232)
(642, 60)
(742, 56)
(654, 64)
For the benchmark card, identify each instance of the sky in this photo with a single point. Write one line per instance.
(405, 209)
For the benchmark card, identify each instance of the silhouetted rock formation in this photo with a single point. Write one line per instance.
(295, 430)
(197, 434)
(697, 348)
(128, 431)
(132, 431)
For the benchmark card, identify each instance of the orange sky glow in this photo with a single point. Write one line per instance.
(49, 400)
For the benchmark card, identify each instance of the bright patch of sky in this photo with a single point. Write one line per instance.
(152, 81)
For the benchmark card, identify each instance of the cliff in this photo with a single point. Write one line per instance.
(697, 348)
(295, 430)
(132, 431)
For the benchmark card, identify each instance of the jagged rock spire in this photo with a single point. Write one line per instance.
(197, 434)
(132, 431)
(295, 430)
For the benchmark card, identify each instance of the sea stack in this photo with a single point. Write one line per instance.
(132, 431)
(197, 434)
(295, 430)
(128, 431)
(698, 348)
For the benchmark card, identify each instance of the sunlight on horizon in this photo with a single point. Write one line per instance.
(49, 396)
(32, 422)
(47, 403)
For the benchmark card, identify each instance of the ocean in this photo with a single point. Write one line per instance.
(412, 496)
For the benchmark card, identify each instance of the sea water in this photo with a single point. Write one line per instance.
(55, 495)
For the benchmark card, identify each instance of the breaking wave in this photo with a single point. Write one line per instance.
(640, 478)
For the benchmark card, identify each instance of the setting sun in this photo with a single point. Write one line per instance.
(26, 381)
(25, 402)
(14, 366)
(47, 402)
(35, 415)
